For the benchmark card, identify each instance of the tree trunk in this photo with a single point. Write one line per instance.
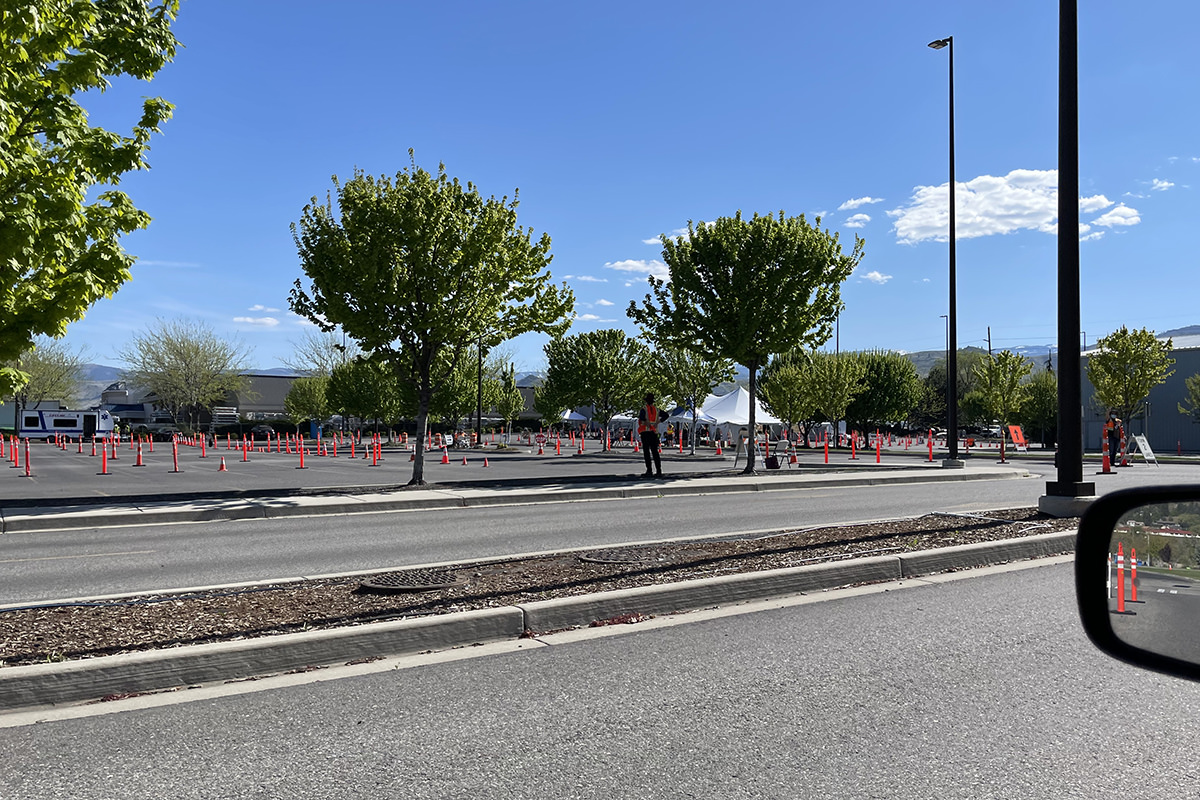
(753, 367)
(418, 475)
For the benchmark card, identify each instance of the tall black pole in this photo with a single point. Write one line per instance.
(479, 399)
(952, 367)
(1070, 410)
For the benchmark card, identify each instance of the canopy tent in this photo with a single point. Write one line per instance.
(681, 414)
(734, 409)
(573, 416)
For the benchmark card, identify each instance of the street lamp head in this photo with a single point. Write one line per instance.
(938, 44)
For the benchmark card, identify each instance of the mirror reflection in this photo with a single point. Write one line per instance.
(1154, 579)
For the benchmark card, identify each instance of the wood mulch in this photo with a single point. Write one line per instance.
(61, 632)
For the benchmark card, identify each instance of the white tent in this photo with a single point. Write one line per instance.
(734, 409)
(573, 416)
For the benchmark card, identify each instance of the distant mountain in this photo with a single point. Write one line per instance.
(99, 372)
(1190, 330)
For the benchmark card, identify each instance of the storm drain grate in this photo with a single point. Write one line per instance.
(621, 556)
(417, 580)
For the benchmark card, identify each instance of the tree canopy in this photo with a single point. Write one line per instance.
(185, 365)
(1000, 383)
(745, 289)
(59, 243)
(418, 268)
(1192, 409)
(55, 373)
(890, 392)
(306, 399)
(364, 388)
(604, 369)
(1126, 366)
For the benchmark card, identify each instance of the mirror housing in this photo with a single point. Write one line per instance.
(1092, 551)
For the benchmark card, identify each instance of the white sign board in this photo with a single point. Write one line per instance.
(1144, 447)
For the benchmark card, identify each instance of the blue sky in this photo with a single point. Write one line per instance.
(621, 121)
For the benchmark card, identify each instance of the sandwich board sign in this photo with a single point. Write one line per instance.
(1144, 448)
(1018, 438)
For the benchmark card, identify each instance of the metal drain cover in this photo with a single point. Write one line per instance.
(417, 580)
(620, 556)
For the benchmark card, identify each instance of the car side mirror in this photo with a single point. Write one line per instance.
(1137, 577)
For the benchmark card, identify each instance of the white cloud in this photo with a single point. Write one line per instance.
(585, 278)
(1094, 203)
(1091, 237)
(653, 267)
(1024, 199)
(818, 214)
(257, 307)
(1121, 215)
(593, 318)
(265, 322)
(671, 235)
(924, 280)
(1160, 185)
(859, 201)
(857, 221)
(603, 302)
(874, 276)
(1136, 195)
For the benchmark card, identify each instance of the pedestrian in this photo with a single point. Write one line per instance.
(648, 419)
(1112, 427)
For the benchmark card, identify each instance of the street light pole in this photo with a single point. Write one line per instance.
(1062, 495)
(952, 317)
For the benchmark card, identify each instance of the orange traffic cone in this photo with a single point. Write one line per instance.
(719, 448)
(464, 461)
(222, 469)
(485, 461)
(445, 456)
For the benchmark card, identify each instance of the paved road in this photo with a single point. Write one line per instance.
(1163, 617)
(982, 688)
(56, 565)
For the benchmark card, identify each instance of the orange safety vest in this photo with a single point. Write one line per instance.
(649, 422)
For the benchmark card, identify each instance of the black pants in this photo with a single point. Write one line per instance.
(650, 450)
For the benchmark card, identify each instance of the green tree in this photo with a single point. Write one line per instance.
(999, 378)
(891, 390)
(724, 277)
(835, 380)
(785, 388)
(1192, 409)
(604, 369)
(550, 403)
(1039, 406)
(417, 268)
(689, 376)
(186, 366)
(1125, 367)
(458, 394)
(364, 388)
(59, 250)
(306, 400)
(509, 401)
(55, 373)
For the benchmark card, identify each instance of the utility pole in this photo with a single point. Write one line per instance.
(989, 342)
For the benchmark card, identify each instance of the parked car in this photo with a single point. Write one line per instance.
(262, 430)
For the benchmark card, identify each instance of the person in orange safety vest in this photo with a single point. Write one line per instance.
(648, 420)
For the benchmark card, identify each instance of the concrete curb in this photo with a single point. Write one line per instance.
(33, 519)
(78, 681)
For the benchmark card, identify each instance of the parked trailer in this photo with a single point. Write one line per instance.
(41, 424)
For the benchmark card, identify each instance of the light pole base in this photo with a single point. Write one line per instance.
(1069, 500)
(953, 463)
